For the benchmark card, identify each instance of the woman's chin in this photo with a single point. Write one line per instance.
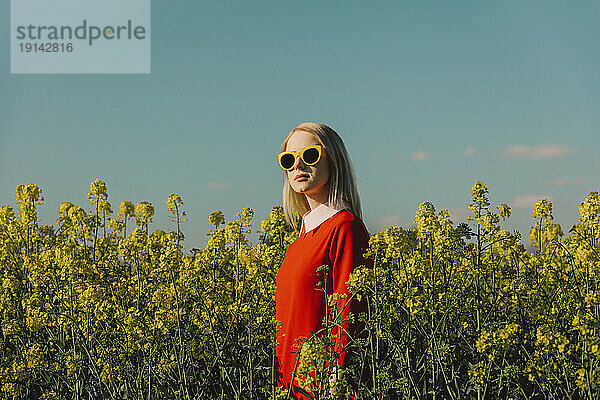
(301, 188)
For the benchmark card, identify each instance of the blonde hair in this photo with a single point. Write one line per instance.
(343, 191)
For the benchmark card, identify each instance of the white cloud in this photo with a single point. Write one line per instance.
(458, 214)
(560, 181)
(420, 156)
(543, 151)
(566, 181)
(389, 220)
(527, 200)
(469, 151)
(217, 185)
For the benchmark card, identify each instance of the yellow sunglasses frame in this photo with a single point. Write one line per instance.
(301, 154)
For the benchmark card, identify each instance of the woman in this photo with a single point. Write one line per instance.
(320, 186)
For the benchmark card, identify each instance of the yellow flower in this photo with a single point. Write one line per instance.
(312, 360)
(503, 211)
(6, 215)
(77, 215)
(542, 209)
(97, 191)
(34, 356)
(245, 216)
(233, 232)
(173, 203)
(28, 197)
(126, 209)
(216, 218)
(580, 380)
(276, 216)
(479, 198)
(426, 220)
(105, 207)
(144, 211)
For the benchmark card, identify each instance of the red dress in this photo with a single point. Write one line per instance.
(339, 242)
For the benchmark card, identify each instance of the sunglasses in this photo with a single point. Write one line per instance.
(310, 156)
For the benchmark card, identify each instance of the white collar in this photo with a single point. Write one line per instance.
(317, 216)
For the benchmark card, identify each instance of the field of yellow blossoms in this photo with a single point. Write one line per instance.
(100, 306)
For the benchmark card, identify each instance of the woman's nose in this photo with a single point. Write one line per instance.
(298, 163)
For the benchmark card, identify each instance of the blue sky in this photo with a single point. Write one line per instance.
(428, 96)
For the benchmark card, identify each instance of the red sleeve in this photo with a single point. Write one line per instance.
(346, 252)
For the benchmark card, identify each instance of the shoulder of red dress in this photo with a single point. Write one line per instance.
(346, 217)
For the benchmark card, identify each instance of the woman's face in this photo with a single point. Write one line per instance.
(311, 180)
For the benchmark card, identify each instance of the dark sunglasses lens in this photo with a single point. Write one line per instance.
(287, 161)
(310, 156)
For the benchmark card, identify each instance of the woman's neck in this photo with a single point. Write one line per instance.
(316, 201)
